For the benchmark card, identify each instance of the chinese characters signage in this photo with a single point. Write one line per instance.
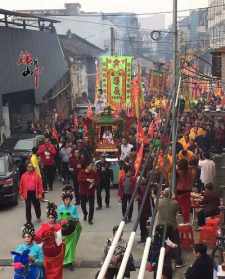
(31, 67)
(157, 82)
(116, 80)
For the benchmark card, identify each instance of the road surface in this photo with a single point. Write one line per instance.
(91, 244)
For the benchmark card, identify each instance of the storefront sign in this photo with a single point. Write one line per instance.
(31, 65)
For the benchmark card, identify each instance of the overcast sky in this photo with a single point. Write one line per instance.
(105, 5)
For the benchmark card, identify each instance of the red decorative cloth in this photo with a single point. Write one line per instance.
(54, 265)
(53, 254)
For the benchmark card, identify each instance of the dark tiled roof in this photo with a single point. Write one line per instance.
(79, 46)
(43, 45)
(26, 15)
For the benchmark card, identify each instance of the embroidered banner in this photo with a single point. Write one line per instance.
(116, 80)
(157, 82)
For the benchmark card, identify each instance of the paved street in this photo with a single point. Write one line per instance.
(6, 273)
(90, 247)
(139, 92)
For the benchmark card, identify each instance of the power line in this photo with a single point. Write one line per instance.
(127, 26)
(144, 14)
(104, 24)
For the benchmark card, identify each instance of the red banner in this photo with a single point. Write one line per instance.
(140, 133)
(139, 157)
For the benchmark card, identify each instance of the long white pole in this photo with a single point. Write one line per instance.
(144, 258)
(161, 263)
(126, 256)
(174, 111)
(111, 251)
(147, 249)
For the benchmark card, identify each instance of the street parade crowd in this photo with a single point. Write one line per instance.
(68, 153)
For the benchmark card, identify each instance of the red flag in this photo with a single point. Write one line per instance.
(136, 96)
(55, 134)
(218, 91)
(139, 157)
(140, 132)
(90, 113)
(151, 129)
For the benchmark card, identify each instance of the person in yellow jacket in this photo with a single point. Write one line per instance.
(185, 154)
(185, 141)
(35, 161)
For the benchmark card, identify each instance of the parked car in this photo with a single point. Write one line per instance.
(21, 143)
(23, 147)
(20, 148)
(9, 180)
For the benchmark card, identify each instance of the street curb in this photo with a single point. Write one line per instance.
(80, 264)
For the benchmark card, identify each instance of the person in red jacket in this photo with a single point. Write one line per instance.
(49, 235)
(31, 191)
(47, 153)
(87, 179)
(127, 185)
(184, 183)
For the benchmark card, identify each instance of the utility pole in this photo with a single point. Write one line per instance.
(112, 40)
(175, 83)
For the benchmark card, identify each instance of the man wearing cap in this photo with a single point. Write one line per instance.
(167, 213)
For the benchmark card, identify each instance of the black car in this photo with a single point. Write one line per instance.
(23, 147)
(9, 180)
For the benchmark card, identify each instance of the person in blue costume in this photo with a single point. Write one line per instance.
(71, 228)
(28, 257)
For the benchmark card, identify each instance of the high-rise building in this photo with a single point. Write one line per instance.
(216, 23)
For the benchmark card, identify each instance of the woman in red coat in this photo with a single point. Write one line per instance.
(87, 179)
(49, 234)
(127, 185)
(31, 190)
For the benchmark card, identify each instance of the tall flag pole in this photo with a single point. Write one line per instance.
(97, 80)
(137, 93)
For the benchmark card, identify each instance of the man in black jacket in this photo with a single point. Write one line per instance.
(105, 178)
(203, 265)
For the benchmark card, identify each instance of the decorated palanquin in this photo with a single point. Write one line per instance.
(116, 81)
(106, 127)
